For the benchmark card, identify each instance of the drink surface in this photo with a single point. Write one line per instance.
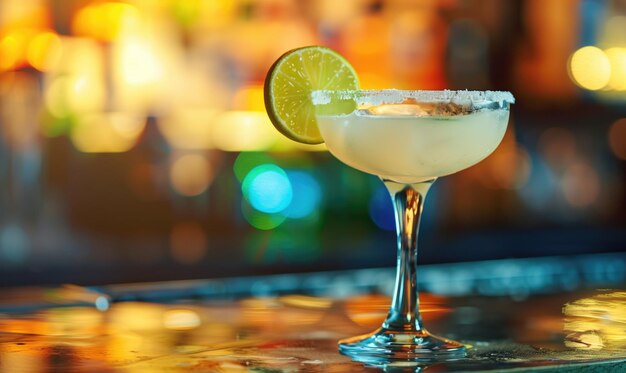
(408, 147)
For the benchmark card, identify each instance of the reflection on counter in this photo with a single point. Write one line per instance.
(299, 333)
(596, 322)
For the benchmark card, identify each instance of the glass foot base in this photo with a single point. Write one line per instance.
(386, 346)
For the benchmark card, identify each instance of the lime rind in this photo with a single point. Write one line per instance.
(289, 84)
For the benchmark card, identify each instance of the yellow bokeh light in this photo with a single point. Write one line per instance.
(74, 94)
(191, 174)
(78, 86)
(139, 62)
(44, 51)
(617, 138)
(125, 126)
(188, 128)
(10, 52)
(13, 48)
(106, 21)
(304, 301)
(56, 98)
(617, 59)
(84, 22)
(244, 131)
(590, 68)
(220, 13)
(106, 133)
(181, 319)
(135, 316)
(25, 14)
(141, 71)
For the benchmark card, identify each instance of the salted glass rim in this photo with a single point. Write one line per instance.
(377, 97)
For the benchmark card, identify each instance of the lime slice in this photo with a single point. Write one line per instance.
(291, 80)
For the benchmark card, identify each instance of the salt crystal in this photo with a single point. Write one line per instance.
(396, 96)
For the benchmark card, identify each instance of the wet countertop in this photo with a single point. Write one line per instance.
(569, 332)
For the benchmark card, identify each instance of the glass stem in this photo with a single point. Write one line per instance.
(408, 200)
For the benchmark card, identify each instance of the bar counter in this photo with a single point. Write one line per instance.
(205, 326)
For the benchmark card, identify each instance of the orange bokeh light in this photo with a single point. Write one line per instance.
(191, 174)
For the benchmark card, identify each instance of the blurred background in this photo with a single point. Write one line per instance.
(134, 145)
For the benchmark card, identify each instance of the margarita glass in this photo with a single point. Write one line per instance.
(409, 139)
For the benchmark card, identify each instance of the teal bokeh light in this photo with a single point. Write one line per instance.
(307, 194)
(268, 189)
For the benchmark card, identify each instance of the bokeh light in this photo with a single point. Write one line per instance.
(44, 51)
(617, 59)
(590, 68)
(381, 209)
(268, 189)
(105, 20)
(133, 317)
(307, 194)
(106, 132)
(261, 220)
(188, 128)
(140, 72)
(191, 174)
(39, 48)
(57, 97)
(187, 12)
(139, 62)
(181, 319)
(243, 131)
(13, 48)
(79, 86)
(617, 138)
(246, 161)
